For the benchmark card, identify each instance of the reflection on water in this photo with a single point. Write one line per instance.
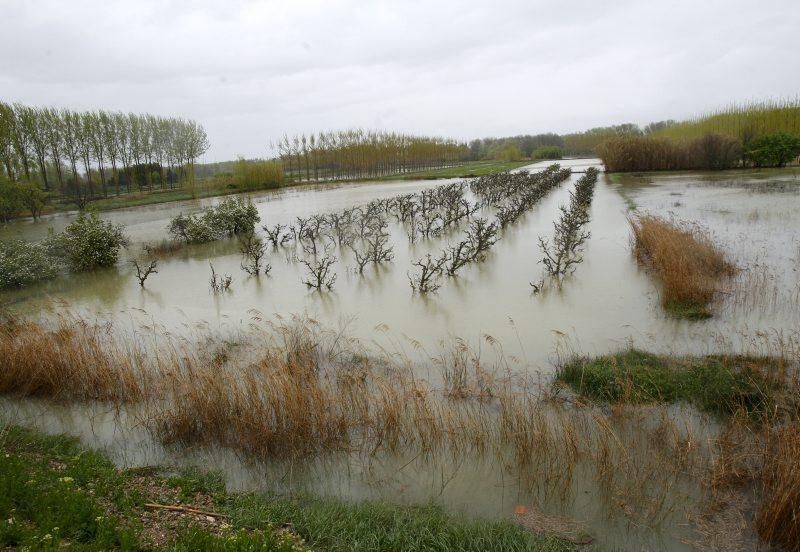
(474, 485)
(608, 303)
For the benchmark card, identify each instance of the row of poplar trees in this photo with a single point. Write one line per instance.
(89, 153)
(353, 154)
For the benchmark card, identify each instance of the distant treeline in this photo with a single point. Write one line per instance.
(765, 134)
(83, 155)
(356, 154)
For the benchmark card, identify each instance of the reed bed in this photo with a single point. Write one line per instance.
(654, 153)
(293, 390)
(778, 518)
(72, 360)
(691, 268)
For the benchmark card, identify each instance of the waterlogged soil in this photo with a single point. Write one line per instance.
(609, 303)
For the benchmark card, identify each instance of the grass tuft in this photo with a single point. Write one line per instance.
(685, 259)
(721, 385)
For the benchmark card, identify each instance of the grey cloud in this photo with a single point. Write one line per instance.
(252, 70)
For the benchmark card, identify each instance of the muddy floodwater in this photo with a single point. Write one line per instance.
(609, 303)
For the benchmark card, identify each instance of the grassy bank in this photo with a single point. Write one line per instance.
(721, 385)
(467, 170)
(211, 187)
(53, 493)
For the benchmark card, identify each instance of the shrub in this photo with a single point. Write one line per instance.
(89, 243)
(773, 150)
(191, 228)
(24, 263)
(547, 152)
(230, 217)
(233, 216)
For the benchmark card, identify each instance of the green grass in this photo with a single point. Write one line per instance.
(57, 494)
(717, 384)
(209, 187)
(466, 170)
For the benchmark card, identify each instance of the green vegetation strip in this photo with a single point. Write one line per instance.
(55, 494)
(717, 384)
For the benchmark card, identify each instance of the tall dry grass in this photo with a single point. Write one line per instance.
(690, 266)
(778, 518)
(649, 153)
(296, 390)
(72, 360)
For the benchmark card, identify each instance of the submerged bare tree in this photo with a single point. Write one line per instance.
(319, 272)
(219, 283)
(143, 271)
(253, 250)
(274, 234)
(458, 256)
(562, 256)
(430, 273)
(482, 235)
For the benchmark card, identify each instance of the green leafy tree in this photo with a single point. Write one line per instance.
(773, 150)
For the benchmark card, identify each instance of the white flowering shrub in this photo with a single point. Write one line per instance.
(89, 243)
(230, 217)
(23, 263)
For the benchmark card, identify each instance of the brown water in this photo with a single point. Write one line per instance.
(607, 304)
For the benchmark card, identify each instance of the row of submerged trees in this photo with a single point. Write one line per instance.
(358, 153)
(86, 154)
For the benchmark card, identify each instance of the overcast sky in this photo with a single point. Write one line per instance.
(250, 71)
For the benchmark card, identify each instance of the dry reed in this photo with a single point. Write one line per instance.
(685, 259)
(778, 520)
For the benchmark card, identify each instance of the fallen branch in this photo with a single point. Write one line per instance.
(175, 508)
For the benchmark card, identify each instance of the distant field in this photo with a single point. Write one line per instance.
(207, 187)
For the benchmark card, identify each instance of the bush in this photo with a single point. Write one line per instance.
(547, 152)
(773, 150)
(230, 217)
(89, 243)
(23, 263)
(192, 229)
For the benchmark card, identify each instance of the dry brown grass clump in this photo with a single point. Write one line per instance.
(689, 265)
(778, 520)
(73, 360)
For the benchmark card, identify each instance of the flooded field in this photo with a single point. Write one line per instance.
(608, 304)
(609, 301)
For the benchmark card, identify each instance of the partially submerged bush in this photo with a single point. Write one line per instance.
(89, 242)
(23, 263)
(230, 217)
(689, 265)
